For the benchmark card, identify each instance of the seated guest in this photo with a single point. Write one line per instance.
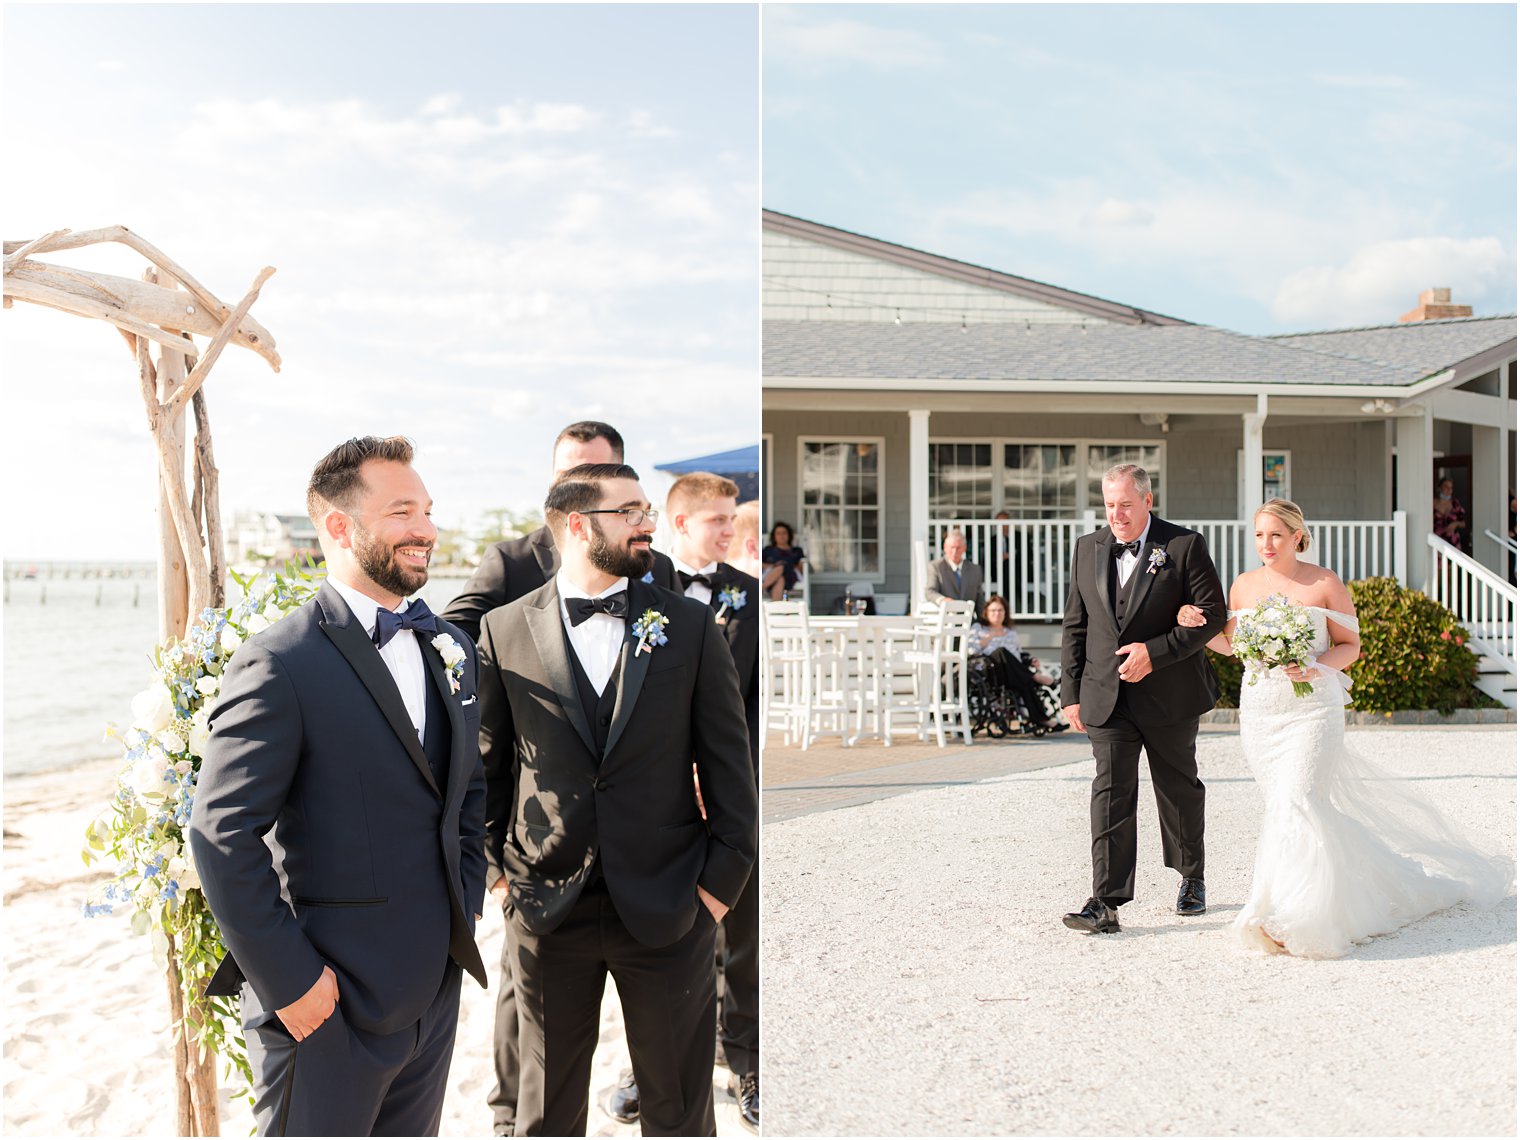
(953, 578)
(992, 637)
(782, 563)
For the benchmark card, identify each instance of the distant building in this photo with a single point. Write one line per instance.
(259, 538)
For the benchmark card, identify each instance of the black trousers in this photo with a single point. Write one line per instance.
(503, 1099)
(1016, 676)
(739, 1033)
(344, 1081)
(1172, 752)
(667, 999)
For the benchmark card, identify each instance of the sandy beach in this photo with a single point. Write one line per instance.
(919, 980)
(86, 1046)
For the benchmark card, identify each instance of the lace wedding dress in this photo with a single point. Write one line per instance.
(1346, 850)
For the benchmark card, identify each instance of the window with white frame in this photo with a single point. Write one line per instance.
(1102, 456)
(841, 505)
(1040, 480)
(960, 480)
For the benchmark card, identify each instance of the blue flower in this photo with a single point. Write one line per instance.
(153, 867)
(170, 893)
(94, 910)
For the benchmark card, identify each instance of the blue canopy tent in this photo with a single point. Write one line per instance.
(742, 465)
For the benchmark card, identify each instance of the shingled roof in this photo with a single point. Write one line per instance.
(1116, 353)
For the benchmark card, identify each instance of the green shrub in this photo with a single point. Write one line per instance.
(1414, 654)
(1229, 671)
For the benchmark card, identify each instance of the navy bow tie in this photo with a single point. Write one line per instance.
(688, 579)
(416, 616)
(614, 605)
(1121, 547)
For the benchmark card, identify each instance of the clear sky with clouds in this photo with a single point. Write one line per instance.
(487, 221)
(1263, 168)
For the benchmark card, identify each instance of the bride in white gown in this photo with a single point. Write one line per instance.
(1346, 850)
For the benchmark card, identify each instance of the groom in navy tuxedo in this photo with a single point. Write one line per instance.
(339, 821)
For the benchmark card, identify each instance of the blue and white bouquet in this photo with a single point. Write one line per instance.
(142, 830)
(1276, 632)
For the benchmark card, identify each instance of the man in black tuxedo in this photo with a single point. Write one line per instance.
(509, 570)
(598, 693)
(1131, 677)
(702, 510)
(516, 566)
(338, 826)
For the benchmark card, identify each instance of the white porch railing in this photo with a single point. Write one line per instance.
(1028, 561)
(1481, 600)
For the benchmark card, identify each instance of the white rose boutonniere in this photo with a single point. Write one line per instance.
(453, 658)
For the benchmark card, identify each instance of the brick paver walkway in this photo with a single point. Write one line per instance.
(829, 775)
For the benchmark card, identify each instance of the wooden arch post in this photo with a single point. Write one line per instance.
(160, 314)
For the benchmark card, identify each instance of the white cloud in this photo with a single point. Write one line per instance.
(790, 35)
(1116, 212)
(1362, 81)
(641, 125)
(1379, 281)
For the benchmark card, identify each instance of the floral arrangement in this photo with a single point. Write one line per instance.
(143, 828)
(650, 630)
(1158, 560)
(453, 659)
(1276, 632)
(733, 599)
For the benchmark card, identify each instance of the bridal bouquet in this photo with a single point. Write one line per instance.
(143, 829)
(1277, 632)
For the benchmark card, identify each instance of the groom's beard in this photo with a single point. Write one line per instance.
(378, 561)
(632, 560)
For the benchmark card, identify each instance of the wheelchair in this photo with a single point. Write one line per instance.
(998, 711)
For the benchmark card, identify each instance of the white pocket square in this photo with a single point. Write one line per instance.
(467, 701)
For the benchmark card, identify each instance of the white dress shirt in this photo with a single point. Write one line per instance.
(697, 590)
(400, 654)
(598, 640)
(1127, 561)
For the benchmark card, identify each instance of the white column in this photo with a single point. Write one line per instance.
(1414, 437)
(1251, 494)
(918, 497)
(1490, 506)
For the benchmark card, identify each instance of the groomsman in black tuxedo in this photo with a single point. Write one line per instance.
(702, 509)
(598, 693)
(509, 570)
(1132, 678)
(339, 820)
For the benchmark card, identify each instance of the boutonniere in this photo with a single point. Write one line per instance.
(453, 658)
(732, 598)
(1158, 560)
(650, 630)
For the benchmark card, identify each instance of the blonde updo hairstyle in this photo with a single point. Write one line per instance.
(1289, 514)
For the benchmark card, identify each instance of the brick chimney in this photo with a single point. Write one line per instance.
(1435, 305)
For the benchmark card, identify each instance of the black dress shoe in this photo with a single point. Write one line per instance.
(1190, 899)
(623, 1101)
(746, 1090)
(1095, 918)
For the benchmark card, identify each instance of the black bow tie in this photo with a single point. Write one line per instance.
(1120, 547)
(688, 579)
(613, 605)
(416, 616)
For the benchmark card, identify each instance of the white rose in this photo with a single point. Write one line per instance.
(171, 741)
(189, 879)
(147, 776)
(208, 685)
(230, 638)
(258, 623)
(153, 708)
(272, 613)
(448, 649)
(200, 732)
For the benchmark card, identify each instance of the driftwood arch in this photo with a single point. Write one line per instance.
(158, 317)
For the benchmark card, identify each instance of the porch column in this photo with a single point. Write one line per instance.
(1413, 436)
(918, 498)
(1251, 494)
(1490, 506)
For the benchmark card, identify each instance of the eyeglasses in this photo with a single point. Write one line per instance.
(633, 516)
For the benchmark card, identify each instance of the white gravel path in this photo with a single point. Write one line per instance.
(918, 980)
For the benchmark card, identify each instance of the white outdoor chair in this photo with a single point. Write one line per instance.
(803, 690)
(935, 650)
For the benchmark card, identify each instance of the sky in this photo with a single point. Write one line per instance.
(487, 222)
(1262, 168)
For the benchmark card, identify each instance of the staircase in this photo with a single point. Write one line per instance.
(1485, 605)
